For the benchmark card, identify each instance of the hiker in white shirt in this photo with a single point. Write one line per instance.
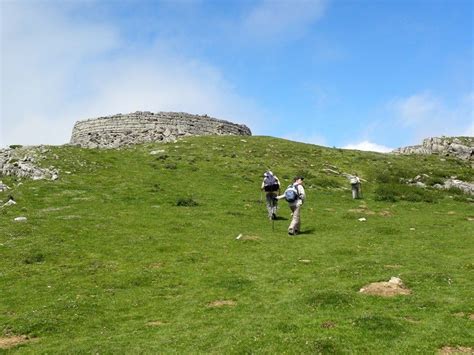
(295, 204)
(355, 185)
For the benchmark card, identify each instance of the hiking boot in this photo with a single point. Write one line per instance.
(274, 216)
(290, 232)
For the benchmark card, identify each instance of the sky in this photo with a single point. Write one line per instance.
(357, 74)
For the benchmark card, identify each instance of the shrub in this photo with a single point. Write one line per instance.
(186, 202)
(15, 146)
(171, 166)
(34, 258)
(395, 192)
(386, 192)
(327, 182)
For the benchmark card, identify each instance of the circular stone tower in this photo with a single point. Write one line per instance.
(141, 127)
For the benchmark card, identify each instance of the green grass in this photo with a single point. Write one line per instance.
(126, 253)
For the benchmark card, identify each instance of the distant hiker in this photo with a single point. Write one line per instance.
(271, 186)
(355, 185)
(295, 196)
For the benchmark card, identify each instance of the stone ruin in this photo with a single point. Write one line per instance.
(143, 127)
(458, 147)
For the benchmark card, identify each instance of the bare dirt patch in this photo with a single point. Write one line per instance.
(393, 287)
(471, 316)
(328, 324)
(456, 350)
(365, 211)
(394, 266)
(12, 341)
(222, 303)
(248, 237)
(156, 266)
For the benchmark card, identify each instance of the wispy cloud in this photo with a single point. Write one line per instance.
(368, 146)
(307, 138)
(273, 19)
(57, 70)
(425, 115)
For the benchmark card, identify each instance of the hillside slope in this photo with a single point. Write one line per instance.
(135, 250)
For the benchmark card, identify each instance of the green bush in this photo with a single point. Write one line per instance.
(396, 192)
(386, 192)
(186, 202)
(326, 182)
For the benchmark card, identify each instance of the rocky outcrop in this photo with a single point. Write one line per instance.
(459, 147)
(142, 127)
(21, 162)
(466, 187)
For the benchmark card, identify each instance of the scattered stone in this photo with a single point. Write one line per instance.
(362, 219)
(20, 219)
(304, 261)
(20, 162)
(247, 237)
(391, 288)
(9, 203)
(155, 152)
(3, 187)
(412, 229)
(155, 323)
(452, 182)
(222, 303)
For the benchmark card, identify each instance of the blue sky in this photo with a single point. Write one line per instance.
(366, 74)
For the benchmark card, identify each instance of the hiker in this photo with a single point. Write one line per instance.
(295, 196)
(271, 186)
(355, 185)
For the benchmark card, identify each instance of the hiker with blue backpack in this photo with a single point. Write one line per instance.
(295, 196)
(271, 186)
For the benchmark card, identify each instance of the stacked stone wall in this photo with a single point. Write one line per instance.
(141, 127)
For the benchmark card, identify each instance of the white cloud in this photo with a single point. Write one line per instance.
(368, 146)
(57, 70)
(426, 115)
(272, 19)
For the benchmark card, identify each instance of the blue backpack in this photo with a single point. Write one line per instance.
(291, 193)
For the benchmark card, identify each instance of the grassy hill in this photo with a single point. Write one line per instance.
(132, 252)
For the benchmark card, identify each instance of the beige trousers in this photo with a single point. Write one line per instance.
(295, 221)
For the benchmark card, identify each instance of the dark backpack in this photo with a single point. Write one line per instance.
(291, 193)
(270, 183)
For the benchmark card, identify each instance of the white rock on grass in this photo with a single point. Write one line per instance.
(20, 219)
(9, 203)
